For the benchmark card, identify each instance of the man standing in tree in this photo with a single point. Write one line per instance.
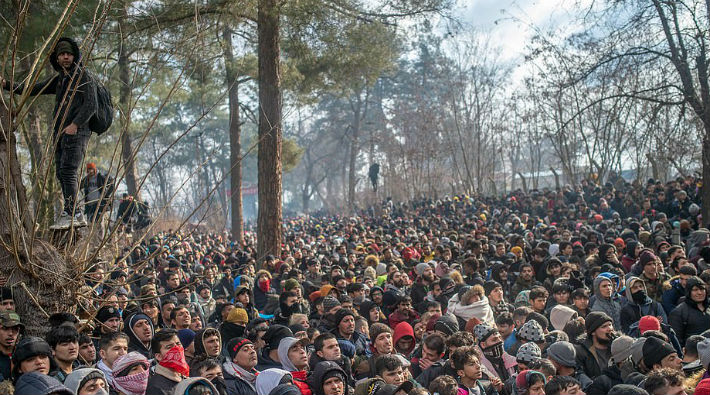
(97, 192)
(75, 104)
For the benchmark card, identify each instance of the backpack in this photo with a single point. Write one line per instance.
(103, 118)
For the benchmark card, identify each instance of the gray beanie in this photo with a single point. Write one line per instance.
(329, 302)
(621, 349)
(704, 352)
(637, 350)
(563, 353)
(528, 352)
(483, 331)
(420, 268)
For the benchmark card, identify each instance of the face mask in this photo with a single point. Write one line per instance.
(175, 360)
(494, 351)
(264, 285)
(639, 297)
(220, 384)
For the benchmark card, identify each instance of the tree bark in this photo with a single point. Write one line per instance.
(354, 151)
(127, 156)
(235, 145)
(270, 139)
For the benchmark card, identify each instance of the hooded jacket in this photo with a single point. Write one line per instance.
(610, 306)
(187, 384)
(315, 381)
(299, 376)
(75, 92)
(632, 312)
(268, 379)
(200, 341)
(672, 295)
(401, 330)
(134, 344)
(34, 383)
(687, 319)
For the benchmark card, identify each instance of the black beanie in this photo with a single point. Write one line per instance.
(447, 324)
(30, 346)
(654, 350)
(341, 314)
(594, 320)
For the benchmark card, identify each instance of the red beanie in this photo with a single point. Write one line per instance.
(649, 323)
(703, 387)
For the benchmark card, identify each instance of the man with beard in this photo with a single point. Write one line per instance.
(396, 281)
(593, 354)
(345, 329)
(239, 372)
(422, 286)
(500, 364)
(525, 280)
(10, 328)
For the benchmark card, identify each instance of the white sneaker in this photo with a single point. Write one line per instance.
(79, 219)
(63, 222)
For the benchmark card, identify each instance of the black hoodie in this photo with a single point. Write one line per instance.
(318, 377)
(686, 319)
(74, 90)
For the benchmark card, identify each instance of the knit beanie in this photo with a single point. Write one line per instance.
(654, 350)
(621, 349)
(238, 316)
(704, 352)
(560, 315)
(703, 387)
(563, 353)
(35, 383)
(186, 336)
(377, 329)
(637, 350)
(291, 284)
(329, 302)
(446, 324)
(235, 345)
(341, 314)
(274, 334)
(420, 268)
(483, 332)
(649, 323)
(522, 299)
(594, 320)
(627, 389)
(28, 347)
(532, 332)
(528, 352)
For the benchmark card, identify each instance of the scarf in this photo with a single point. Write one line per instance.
(134, 384)
(174, 360)
(108, 373)
(237, 371)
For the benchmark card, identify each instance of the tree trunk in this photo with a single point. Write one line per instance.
(127, 156)
(38, 289)
(269, 150)
(235, 145)
(354, 151)
(705, 193)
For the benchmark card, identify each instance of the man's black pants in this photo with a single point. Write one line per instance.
(67, 158)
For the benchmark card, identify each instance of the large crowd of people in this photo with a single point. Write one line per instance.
(596, 289)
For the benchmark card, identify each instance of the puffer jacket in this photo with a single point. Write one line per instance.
(687, 319)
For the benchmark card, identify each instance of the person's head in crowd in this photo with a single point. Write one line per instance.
(444, 385)
(445, 326)
(32, 354)
(187, 340)
(242, 353)
(530, 382)
(300, 319)
(209, 368)
(658, 354)
(520, 314)
(381, 338)
(361, 325)
(433, 348)
(560, 291)
(600, 328)
(180, 317)
(327, 348)
(168, 351)
(87, 381)
(345, 323)
(112, 346)
(64, 341)
(563, 355)
(404, 341)
(459, 339)
(130, 374)
(166, 307)
(563, 385)
(208, 342)
(526, 272)
(10, 330)
(87, 350)
(538, 299)
(544, 366)
(328, 378)
(466, 361)
(505, 324)
(108, 319)
(560, 315)
(527, 354)
(36, 383)
(580, 299)
(151, 308)
(531, 331)
(433, 307)
(140, 326)
(292, 354)
(390, 369)
(665, 381)
(540, 318)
